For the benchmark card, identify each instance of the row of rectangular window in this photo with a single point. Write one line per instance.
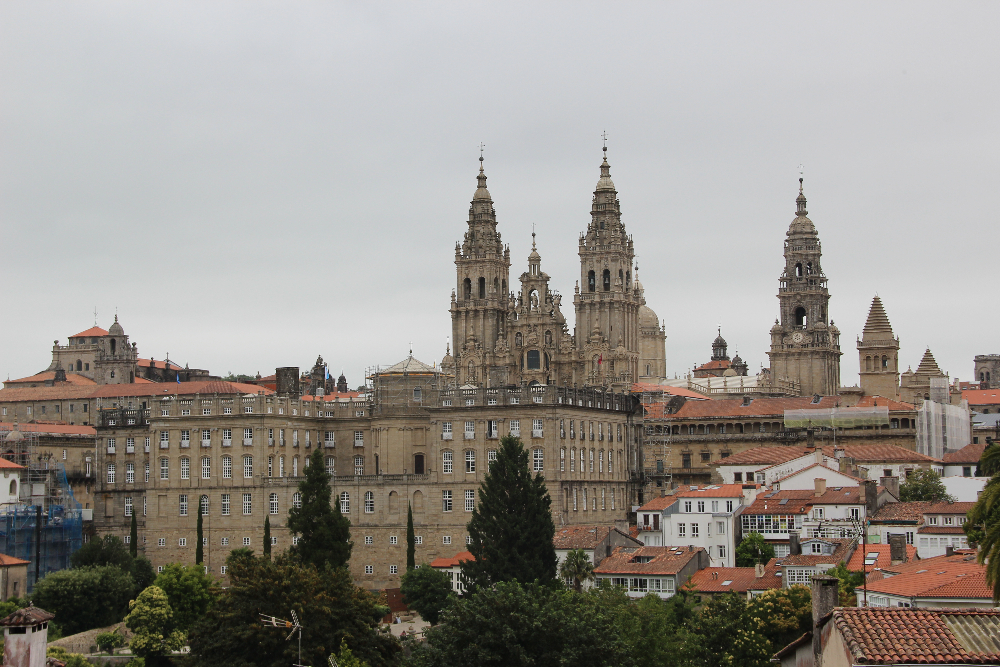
(227, 468)
(248, 439)
(583, 460)
(691, 505)
(593, 497)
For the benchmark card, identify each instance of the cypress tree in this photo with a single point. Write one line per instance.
(511, 527)
(411, 540)
(324, 533)
(199, 549)
(133, 538)
(267, 537)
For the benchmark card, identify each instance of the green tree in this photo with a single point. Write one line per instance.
(345, 657)
(924, 485)
(985, 517)
(189, 591)
(324, 533)
(71, 659)
(427, 590)
(511, 527)
(109, 641)
(578, 568)
(753, 550)
(331, 607)
(411, 540)
(85, 597)
(142, 574)
(151, 621)
(513, 625)
(267, 537)
(723, 635)
(849, 580)
(133, 538)
(648, 627)
(199, 547)
(782, 615)
(100, 551)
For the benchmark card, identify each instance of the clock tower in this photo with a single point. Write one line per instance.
(805, 344)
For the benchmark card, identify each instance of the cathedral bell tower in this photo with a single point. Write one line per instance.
(480, 299)
(607, 301)
(116, 359)
(805, 345)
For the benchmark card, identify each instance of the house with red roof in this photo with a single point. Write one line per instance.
(597, 542)
(453, 567)
(748, 582)
(644, 570)
(942, 528)
(956, 579)
(965, 461)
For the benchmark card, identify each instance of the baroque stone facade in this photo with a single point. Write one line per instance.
(805, 344)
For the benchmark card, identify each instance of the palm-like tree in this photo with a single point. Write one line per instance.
(985, 515)
(578, 568)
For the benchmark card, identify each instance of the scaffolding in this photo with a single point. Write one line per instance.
(837, 417)
(44, 525)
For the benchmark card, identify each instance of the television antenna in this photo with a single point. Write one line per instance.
(294, 625)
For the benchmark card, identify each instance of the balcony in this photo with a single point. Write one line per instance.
(185, 443)
(206, 443)
(248, 442)
(537, 433)
(649, 528)
(111, 449)
(470, 435)
(227, 442)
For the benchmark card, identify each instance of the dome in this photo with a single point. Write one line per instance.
(605, 182)
(482, 194)
(14, 436)
(801, 224)
(648, 318)
(719, 341)
(116, 329)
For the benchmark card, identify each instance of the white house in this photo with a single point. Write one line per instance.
(10, 486)
(942, 528)
(453, 567)
(955, 580)
(644, 570)
(805, 478)
(598, 542)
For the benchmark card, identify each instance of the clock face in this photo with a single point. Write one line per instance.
(797, 337)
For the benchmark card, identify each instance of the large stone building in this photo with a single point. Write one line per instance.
(986, 371)
(505, 338)
(805, 344)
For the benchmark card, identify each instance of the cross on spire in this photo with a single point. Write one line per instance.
(604, 135)
(481, 147)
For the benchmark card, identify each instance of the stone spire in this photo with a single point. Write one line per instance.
(928, 365)
(482, 194)
(877, 326)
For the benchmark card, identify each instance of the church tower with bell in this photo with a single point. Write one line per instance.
(480, 300)
(805, 344)
(606, 299)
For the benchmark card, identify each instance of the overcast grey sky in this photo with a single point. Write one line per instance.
(253, 184)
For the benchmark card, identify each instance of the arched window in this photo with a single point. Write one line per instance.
(518, 339)
(13, 488)
(595, 365)
(534, 360)
(114, 346)
(203, 504)
(809, 268)
(272, 503)
(345, 502)
(482, 287)
(467, 289)
(800, 317)
(369, 502)
(885, 361)
(591, 286)
(607, 280)
(798, 270)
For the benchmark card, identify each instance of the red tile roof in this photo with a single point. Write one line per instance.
(332, 397)
(799, 501)
(941, 530)
(967, 454)
(911, 511)
(841, 552)
(663, 560)
(883, 636)
(817, 465)
(59, 392)
(958, 559)
(39, 378)
(147, 363)
(947, 576)
(658, 503)
(53, 429)
(579, 537)
(883, 453)
(454, 561)
(771, 408)
(712, 491)
(640, 387)
(742, 579)
(949, 508)
(857, 562)
(27, 616)
(982, 396)
(10, 465)
(769, 455)
(92, 332)
(716, 365)
(7, 561)
(181, 388)
(875, 453)
(882, 402)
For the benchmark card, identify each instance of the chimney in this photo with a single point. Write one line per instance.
(949, 550)
(891, 484)
(794, 548)
(287, 379)
(810, 437)
(897, 548)
(820, 486)
(819, 455)
(758, 571)
(869, 496)
(825, 596)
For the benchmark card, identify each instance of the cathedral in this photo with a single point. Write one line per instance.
(504, 337)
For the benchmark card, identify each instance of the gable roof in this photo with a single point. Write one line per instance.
(8, 561)
(961, 507)
(658, 503)
(178, 388)
(765, 456)
(93, 332)
(454, 561)
(712, 491)
(799, 501)
(652, 387)
(817, 465)
(885, 453)
(883, 402)
(880, 635)
(967, 454)
(739, 579)
(841, 552)
(580, 537)
(409, 365)
(772, 408)
(882, 557)
(45, 376)
(908, 511)
(663, 560)
(51, 429)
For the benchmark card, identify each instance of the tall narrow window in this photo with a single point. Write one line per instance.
(247, 504)
(359, 465)
(369, 502)
(185, 468)
(247, 467)
(470, 461)
(272, 503)
(227, 467)
(447, 459)
(345, 502)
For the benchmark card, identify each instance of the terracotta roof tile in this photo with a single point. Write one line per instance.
(911, 511)
(840, 553)
(716, 365)
(982, 396)
(857, 562)
(772, 408)
(579, 537)
(92, 332)
(658, 503)
(740, 579)
(71, 378)
(949, 508)
(10, 465)
(168, 365)
(6, 561)
(453, 561)
(882, 402)
(61, 391)
(27, 616)
(770, 455)
(180, 388)
(817, 465)
(941, 530)
(51, 429)
(959, 559)
(640, 387)
(801, 500)
(941, 577)
(662, 560)
(967, 454)
(875, 635)
(712, 491)
(878, 453)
